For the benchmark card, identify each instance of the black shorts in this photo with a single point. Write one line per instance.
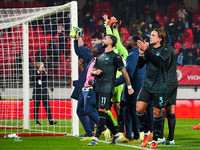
(103, 100)
(158, 99)
(170, 97)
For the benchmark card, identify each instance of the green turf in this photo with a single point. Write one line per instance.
(186, 138)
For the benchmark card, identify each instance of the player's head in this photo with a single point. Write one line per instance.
(132, 41)
(38, 62)
(158, 37)
(96, 38)
(109, 40)
(97, 49)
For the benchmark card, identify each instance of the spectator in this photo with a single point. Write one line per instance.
(198, 61)
(170, 29)
(184, 50)
(190, 16)
(190, 60)
(101, 28)
(196, 34)
(62, 43)
(180, 29)
(180, 59)
(182, 13)
(193, 50)
(91, 26)
(40, 92)
(146, 34)
(133, 30)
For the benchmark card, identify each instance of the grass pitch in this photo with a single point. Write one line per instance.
(186, 138)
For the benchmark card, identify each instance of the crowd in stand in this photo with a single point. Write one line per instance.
(140, 17)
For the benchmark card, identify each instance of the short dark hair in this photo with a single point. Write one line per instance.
(137, 37)
(163, 35)
(96, 35)
(113, 38)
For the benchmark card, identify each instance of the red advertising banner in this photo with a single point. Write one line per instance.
(188, 75)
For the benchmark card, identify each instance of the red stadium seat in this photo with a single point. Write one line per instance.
(39, 30)
(18, 4)
(10, 4)
(189, 31)
(97, 4)
(124, 31)
(27, 4)
(126, 37)
(40, 37)
(106, 5)
(2, 4)
(35, 4)
(48, 37)
(165, 18)
(2, 56)
(191, 38)
(56, 37)
(177, 45)
(42, 4)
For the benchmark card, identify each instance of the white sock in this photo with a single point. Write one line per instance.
(146, 134)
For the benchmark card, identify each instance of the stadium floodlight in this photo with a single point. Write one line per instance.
(28, 36)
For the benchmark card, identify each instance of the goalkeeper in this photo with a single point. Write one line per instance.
(121, 50)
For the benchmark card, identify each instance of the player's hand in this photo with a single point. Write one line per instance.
(105, 17)
(90, 82)
(42, 68)
(80, 42)
(98, 72)
(141, 52)
(142, 45)
(70, 82)
(130, 91)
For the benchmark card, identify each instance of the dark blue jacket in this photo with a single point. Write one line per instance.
(136, 75)
(86, 55)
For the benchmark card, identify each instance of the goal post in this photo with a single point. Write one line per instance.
(28, 35)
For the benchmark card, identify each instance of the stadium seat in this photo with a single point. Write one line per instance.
(39, 30)
(56, 37)
(124, 31)
(27, 4)
(106, 5)
(126, 37)
(35, 4)
(177, 45)
(2, 4)
(10, 4)
(191, 38)
(42, 4)
(2, 56)
(165, 18)
(18, 4)
(48, 37)
(97, 5)
(41, 37)
(188, 31)
(10, 56)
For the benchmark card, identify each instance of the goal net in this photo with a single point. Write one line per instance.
(37, 61)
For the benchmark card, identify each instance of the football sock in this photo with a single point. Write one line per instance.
(101, 123)
(143, 122)
(161, 135)
(171, 124)
(157, 127)
(110, 125)
(121, 118)
(111, 116)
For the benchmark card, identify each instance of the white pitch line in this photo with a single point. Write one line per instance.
(138, 147)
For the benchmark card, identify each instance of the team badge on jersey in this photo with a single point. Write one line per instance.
(107, 58)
